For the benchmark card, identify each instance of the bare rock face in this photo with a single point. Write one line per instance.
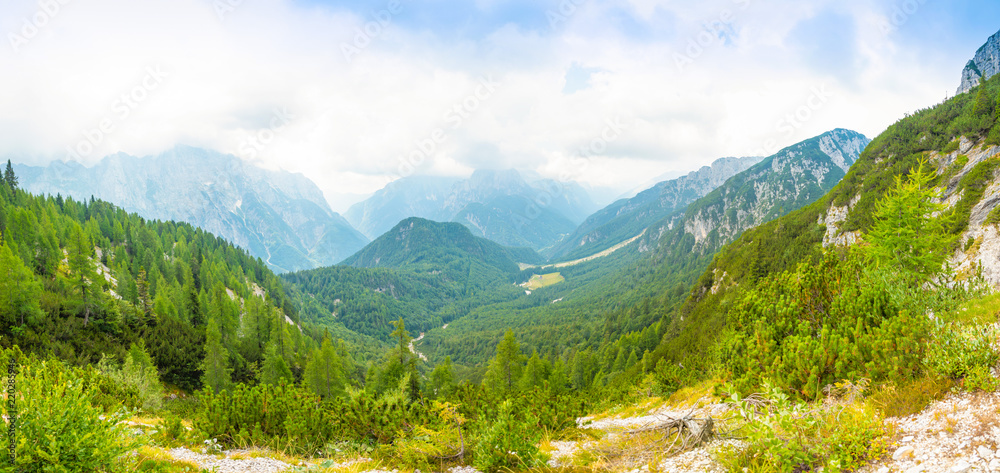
(984, 65)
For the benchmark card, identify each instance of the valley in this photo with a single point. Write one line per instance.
(827, 303)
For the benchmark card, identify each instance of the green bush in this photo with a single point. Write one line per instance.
(791, 436)
(956, 350)
(509, 441)
(823, 323)
(60, 428)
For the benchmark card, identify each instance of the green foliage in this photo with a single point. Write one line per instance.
(138, 373)
(59, 427)
(951, 147)
(823, 323)
(276, 416)
(505, 369)
(510, 441)
(217, 373)
(905, 235)
(19, 290)
(791, 436)
(957, 351)
(909, 396)
(442, 380)
(324, 372)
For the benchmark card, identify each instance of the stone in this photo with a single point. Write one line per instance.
(984, 452)
(995, 465)
(908, 439)
(884, 469)
(916, 469)
(960, 467)
(904, 452)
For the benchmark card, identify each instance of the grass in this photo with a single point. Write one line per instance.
(540, 281)
(985, 310)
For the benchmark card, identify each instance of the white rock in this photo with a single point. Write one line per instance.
(906, 451)
(995, 464)
(984, 452)
(960, 467)
(884, 469)
(908, 439)
(916, 469)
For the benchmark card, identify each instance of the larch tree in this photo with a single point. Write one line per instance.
(324, 371)
(217, 375)
(505, 369)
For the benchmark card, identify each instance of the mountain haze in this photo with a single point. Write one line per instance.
(503, 206)
(277, 216)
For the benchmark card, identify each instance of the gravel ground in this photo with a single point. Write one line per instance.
(958, 434)
(230, 465)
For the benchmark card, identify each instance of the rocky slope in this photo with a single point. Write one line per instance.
(504, 206)
(792, 178)
(626, 218)
(984, 65)
(277, 216)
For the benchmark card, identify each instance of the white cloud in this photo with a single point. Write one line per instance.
(351, 122)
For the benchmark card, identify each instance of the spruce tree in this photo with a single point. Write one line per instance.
(9, 177)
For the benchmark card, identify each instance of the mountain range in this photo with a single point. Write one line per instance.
(277, 216)
(626, 218)
(503, 206)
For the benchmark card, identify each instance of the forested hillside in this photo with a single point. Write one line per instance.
(957, 142)
(86, 279)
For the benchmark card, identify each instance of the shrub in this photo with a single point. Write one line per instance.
(956, 351)
(510, 441)
(792, 436)
(60, 428)
(909, 396)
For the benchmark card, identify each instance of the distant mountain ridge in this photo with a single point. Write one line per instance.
(786, 181)
(626, 218)
(277, 216)
(502, 206)
(425, 243)
(984, 65)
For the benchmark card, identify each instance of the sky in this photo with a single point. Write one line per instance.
(355, 94)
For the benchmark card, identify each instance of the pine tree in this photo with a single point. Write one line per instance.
(505, 369)
(905, 235)
(139, 368)
(323, 373)
(217, 373)
(9, 177)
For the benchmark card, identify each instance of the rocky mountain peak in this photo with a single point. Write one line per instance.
(984, 65)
